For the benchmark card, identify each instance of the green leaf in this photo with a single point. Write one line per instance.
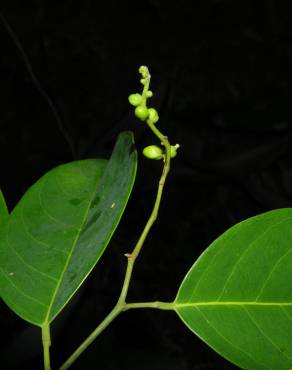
(59, 230)
(3, 208)
(237, 297)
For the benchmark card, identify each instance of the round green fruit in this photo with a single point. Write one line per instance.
(141, 112)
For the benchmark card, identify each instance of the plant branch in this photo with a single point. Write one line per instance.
(121, 304)
(131, 257)
(107, 320)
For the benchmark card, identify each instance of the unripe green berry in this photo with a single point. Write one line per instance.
(149, 94)
(141, 112)
(153, 115)
(153, 152)
(135, 99)
(173, 150)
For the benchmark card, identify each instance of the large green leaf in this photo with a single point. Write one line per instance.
(237, 297)
(59, 230)
(3, 208)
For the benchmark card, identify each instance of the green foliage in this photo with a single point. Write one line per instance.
(237, 296)
(59, 230)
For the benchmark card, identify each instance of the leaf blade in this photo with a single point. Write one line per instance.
(110, 201)
(44, 231)
(237, 285)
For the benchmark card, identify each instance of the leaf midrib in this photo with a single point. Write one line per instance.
(46, 320)
(231, 303)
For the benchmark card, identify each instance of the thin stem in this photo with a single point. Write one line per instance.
(131, 257)
(157, 304)
(46, 338)
(121, 304)
(108, 319)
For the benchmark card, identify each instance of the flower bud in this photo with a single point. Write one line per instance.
(144, 71)
(173, 150)
(153, 115)
(135, 99)
(153, 152)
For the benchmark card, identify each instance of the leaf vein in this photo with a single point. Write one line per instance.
(71, 252)
(233, 303)
(271, 273)
(67, 194)
(235, 267)
(21, 291)
(228, 341)
(47, 213)
(263, 333)
(285, 312)
(202, 275)
(31, 267)
(28, 233)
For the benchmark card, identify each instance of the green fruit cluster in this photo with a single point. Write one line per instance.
(141, 111)
(150, 114)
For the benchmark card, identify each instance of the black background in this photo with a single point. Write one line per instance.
(221, 76)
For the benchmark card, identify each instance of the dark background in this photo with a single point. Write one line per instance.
(221, 76)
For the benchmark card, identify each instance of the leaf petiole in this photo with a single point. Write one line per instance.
(46, 339)
(156, 304)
